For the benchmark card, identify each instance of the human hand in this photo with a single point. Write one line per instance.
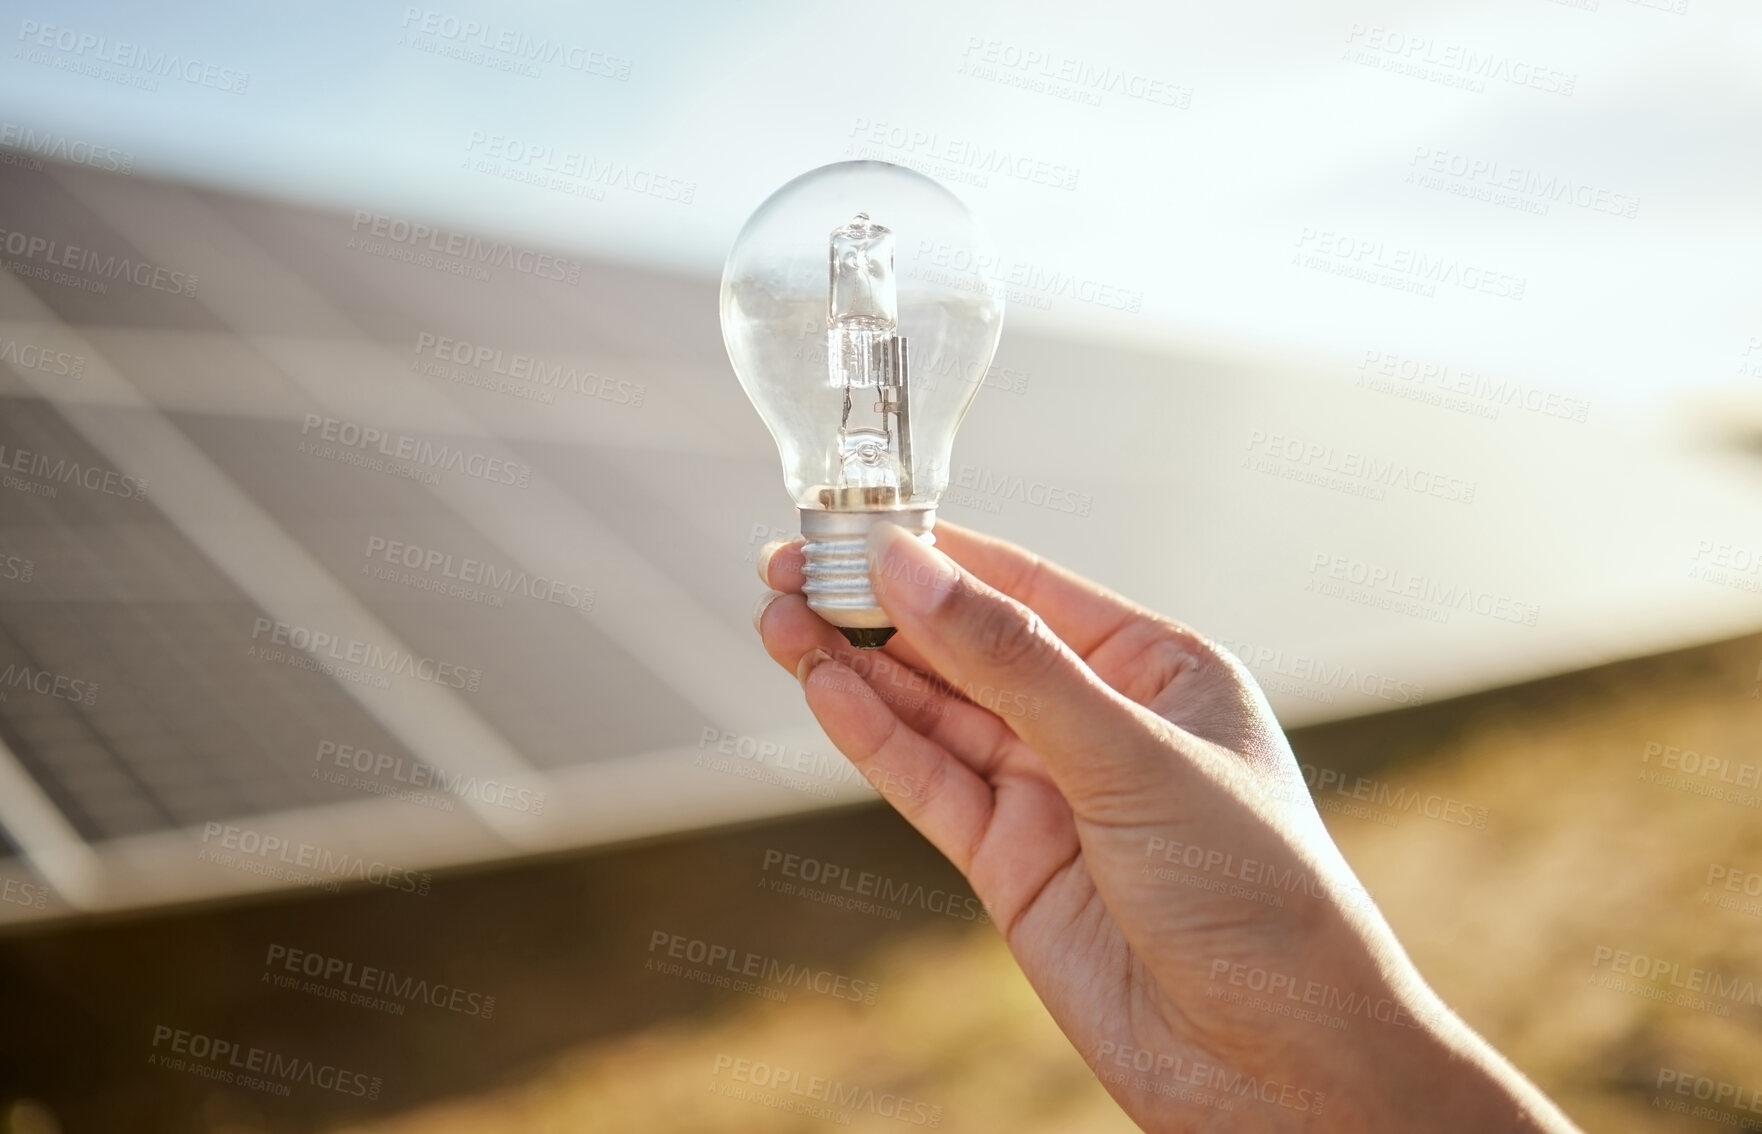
(1117, 792)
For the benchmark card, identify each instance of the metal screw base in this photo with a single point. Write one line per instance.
(835, 548)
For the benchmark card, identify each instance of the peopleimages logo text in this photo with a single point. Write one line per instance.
(419, 774)
(373, 979)
(236, 1059)
(514, 43)
(465, 246)
(403, 447)
(322, 643)
(1009, 486)
(310, 857)
(479, 573)
(30, 356)
(527, 368)
(1374, 577)
(90, 477)
(59, 147)
(101, 49)
(58, 254)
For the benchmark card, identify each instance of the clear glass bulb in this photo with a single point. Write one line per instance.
(859, 319)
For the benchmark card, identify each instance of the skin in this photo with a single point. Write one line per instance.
(1117, 792)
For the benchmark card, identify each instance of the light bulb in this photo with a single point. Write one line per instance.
(858, 316)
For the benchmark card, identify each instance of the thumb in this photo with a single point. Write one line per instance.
(1106, 753)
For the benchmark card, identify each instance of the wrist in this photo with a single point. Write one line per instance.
(1400, 1059)
(1427, 1070)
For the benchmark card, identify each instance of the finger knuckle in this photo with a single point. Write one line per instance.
(1009, 636)
(1188, 650)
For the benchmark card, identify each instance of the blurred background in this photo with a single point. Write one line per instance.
(1413, 351)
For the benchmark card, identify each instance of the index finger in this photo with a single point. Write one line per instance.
(1082, 613)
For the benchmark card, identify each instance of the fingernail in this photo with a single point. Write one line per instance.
(765, 600)
(911, 573)
(765, 554)
(808, 661)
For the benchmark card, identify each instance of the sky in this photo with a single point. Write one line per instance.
(1559, 191)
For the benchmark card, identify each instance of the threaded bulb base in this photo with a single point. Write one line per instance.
(835, 551)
